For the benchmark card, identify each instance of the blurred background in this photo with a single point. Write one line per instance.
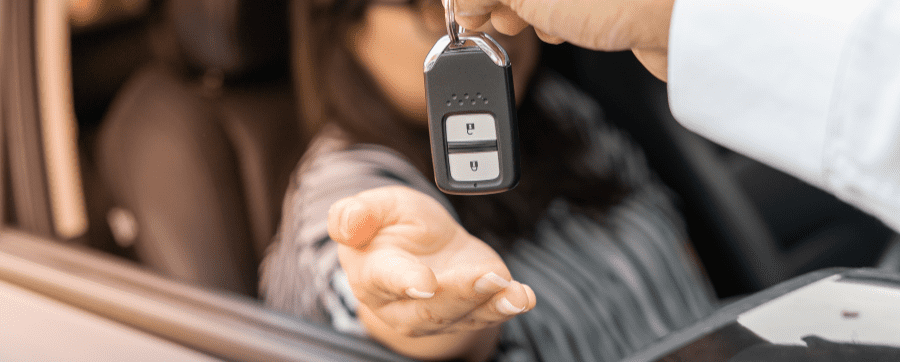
(163, 132)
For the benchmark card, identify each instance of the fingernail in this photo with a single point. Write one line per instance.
(490, 282)
(416, 294)
(505, 307)
(350, 214)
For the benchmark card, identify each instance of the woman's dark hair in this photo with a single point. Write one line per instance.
(334, 88)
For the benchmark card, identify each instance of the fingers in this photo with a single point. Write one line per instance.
(391, 274)
(473, 21)
(532, 298)
(512, 301)
(507, 16)
(515, 300)
(458, 295)
(506, 21)
(547, 38)
(474, 14)
(473, 285)
(655, 60)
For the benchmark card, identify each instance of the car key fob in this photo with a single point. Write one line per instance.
(471, 114)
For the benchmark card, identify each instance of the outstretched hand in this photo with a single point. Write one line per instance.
(416, 271)
(609, 25)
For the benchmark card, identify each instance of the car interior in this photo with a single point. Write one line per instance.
(184, 134)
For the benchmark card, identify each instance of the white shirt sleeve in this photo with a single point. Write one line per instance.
(811, 87)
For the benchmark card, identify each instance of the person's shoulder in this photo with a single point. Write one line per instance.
(332, 152)
(333, 166)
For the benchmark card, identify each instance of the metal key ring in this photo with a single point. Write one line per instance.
(453, 28)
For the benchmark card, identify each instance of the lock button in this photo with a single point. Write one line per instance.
(471, 127)
(474, 166)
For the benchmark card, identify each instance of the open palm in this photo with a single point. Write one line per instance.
(416, 270)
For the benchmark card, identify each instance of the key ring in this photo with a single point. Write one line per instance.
(457, 36)
(453, 28)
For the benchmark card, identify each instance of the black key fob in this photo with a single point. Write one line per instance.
(472, 115)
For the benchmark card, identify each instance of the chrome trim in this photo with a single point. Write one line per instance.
(488, 45)
(485, 42)
(453, 28)
(436, 52)
(58, 125)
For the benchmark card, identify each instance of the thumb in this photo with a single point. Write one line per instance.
(353, 222)
(356, 220)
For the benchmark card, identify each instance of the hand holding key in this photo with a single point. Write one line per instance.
(608, 25)
(417, 272)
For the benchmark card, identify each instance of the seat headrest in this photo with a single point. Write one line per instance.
(235, 37)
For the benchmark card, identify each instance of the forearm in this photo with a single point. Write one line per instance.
(470, 346)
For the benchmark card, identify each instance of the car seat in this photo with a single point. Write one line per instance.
(197, 147)
(752, 226)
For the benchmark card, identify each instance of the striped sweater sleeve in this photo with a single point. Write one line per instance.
(300, 274)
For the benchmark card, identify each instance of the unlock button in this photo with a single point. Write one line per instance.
(474, 166)
(471, 127)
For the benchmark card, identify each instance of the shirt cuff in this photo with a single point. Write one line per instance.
(758, 76)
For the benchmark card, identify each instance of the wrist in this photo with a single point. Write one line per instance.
(478, 345)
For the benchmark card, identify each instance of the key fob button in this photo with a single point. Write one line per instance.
(474, 166)
(471, 127)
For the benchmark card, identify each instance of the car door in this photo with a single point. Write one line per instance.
(62, 301)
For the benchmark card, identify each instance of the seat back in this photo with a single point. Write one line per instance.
(198, 146)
